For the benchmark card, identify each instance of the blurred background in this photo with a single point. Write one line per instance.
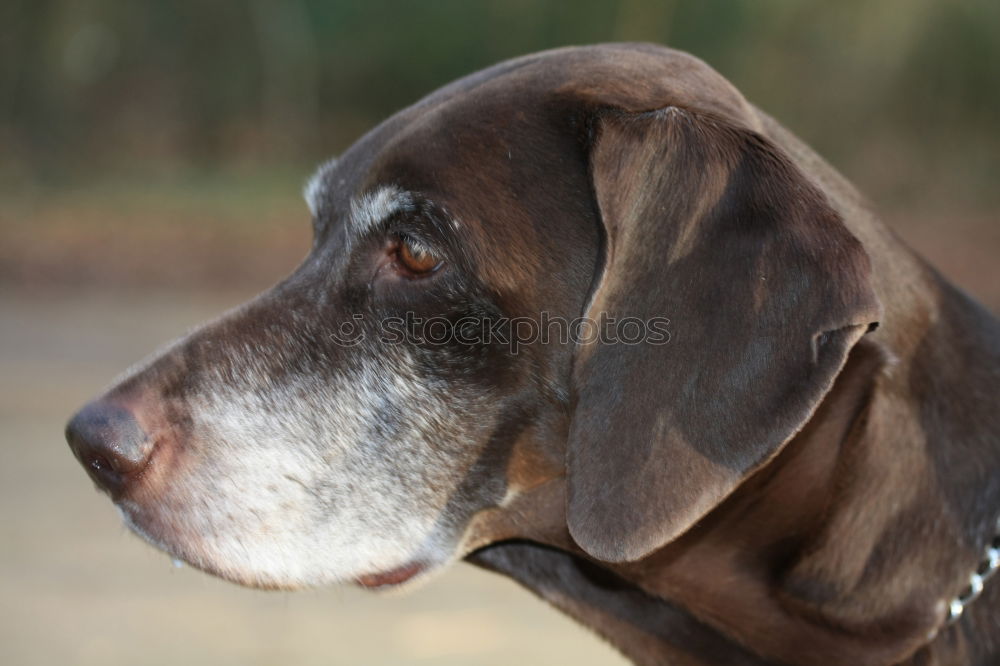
(151, 159)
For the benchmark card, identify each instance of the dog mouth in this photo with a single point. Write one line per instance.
(393, 577)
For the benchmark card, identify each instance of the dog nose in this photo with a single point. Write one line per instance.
(109, 443)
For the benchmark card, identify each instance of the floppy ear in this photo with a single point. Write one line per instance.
(766, 292)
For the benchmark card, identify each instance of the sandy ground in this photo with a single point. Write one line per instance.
(76, 588)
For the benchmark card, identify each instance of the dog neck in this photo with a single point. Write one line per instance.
(848, 547)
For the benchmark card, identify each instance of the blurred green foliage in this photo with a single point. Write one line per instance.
(902, 94)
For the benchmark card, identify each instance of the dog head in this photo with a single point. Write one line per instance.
(492, 274)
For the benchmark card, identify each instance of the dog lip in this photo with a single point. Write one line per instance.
(391, 578)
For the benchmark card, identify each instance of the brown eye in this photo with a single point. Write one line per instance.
(416, 258)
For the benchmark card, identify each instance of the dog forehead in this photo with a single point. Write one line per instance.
(631, 77)
(477, 116)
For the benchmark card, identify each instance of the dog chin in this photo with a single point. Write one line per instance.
(405, 577)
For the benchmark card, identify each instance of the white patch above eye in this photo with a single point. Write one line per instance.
(368, 210)
(313, 190)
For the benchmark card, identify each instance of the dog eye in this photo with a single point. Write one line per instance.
(417, 259)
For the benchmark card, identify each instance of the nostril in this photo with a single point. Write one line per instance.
(109, 443)
(103, 472)
(101, 464)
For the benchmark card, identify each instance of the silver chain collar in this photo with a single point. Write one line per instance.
(988, 566)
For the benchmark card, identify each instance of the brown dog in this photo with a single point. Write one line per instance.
(720, 460)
